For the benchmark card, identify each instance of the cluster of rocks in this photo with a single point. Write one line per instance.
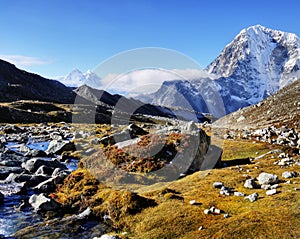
(286, 161)
(25, 168)
(267, 181)
(272, 135)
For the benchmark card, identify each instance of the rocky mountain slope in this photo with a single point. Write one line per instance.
(119, 103)
(282, 108)
(17, 84)
(256, 64)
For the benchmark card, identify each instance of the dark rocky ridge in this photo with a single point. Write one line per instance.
(17, 84)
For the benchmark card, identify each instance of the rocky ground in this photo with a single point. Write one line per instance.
(117, 189)
(36, 159)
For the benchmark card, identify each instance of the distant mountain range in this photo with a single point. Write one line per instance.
(256, 64)
(19, 85)
(76, 78)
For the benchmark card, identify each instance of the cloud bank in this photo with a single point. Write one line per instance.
(147, 80)
(23, 61)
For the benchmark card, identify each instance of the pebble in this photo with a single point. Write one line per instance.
(207, 211)
(218, 185)
(239, 194)
(275, 186)
(271, 192)
(192, 202)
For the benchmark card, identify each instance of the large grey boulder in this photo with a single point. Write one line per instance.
(41, 203)
(34, 164)
(49, 185)
(267, 178)
(59, 146)
(44, 170)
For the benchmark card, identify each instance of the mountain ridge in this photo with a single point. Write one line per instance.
(17, 84)
(256, 64)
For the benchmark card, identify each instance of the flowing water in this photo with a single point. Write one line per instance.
(11, 218)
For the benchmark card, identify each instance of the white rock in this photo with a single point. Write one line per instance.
(275, 186)
(271, 192)
(250, 183)
(239, 194)
(252, 197)
(207, 211)
(218, 185)
(266, 187)
(267, 178)
(288, 174)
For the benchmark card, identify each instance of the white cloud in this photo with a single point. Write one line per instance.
(22, 61)
(147, 80)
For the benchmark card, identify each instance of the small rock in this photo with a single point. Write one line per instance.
(215, 210)
(288, 174)
(239, 194)
(271, 192)
(266, 187)
(252, 197)
(226, 215)
(218, 185)
(225, 191)
(207, 211)
(275, 186)
(250, 183)
(106, 236)
(200, 228)
(192, 202)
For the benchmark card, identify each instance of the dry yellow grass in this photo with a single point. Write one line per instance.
(276, 216)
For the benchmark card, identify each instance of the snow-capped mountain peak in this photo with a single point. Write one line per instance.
(76, 78)
(257, 63)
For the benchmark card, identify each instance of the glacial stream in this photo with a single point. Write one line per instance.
(12, 218)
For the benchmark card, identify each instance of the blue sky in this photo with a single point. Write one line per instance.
(51, 37)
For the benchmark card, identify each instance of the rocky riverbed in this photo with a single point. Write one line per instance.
(32, 164)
